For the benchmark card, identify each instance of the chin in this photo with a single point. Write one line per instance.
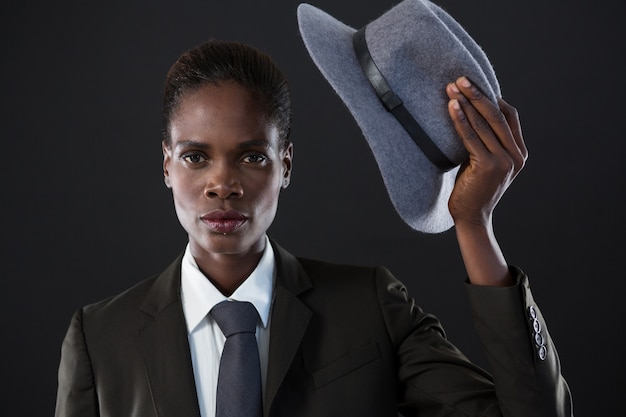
(229, 244)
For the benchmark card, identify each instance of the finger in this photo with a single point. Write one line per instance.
(476, 125)
(471, 140)
(512, 117)
(482, 112)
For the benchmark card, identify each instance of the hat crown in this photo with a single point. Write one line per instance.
(416, 44)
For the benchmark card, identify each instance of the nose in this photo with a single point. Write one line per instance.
(223, 182)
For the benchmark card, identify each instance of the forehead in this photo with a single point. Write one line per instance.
(227, 99)
(225, 110)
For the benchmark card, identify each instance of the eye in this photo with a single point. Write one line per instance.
(193, 158)
(255, 158)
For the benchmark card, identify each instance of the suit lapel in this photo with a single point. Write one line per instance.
(290, 318)
(165, 348)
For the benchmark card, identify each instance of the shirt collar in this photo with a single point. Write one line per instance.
(199, 295)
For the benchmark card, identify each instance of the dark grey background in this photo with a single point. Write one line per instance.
(86, 215)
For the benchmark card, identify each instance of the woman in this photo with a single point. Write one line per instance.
(332, 339)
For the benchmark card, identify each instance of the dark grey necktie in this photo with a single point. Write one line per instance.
(239, 379)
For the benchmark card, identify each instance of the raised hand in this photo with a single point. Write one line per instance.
(493, 138)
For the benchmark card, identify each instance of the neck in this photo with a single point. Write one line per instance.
(228, 271)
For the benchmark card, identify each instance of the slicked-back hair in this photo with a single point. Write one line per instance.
(220, 61)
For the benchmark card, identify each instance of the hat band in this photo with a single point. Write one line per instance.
(394, 105)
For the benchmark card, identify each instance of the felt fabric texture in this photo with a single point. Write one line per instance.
(419, 48)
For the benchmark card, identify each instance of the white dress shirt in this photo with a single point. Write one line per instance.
(206, 340)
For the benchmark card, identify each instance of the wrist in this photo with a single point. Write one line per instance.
(483, 259)
(473, 225)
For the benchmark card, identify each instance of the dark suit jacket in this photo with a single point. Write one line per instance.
(345, 341)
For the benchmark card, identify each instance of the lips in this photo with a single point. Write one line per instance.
(224, 221)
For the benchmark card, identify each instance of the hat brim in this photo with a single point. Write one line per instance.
(418, 190)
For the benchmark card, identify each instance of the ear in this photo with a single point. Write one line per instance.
(287, 159)
(167, 158)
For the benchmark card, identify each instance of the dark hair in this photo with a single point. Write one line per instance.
(217, 61)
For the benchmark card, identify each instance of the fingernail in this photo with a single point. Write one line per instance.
(454, 88)
(455, 104)
(465, 82)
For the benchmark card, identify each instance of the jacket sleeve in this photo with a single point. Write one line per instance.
(76, 393)
(435, 379)
(522, 356)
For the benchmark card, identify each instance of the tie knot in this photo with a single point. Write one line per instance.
(235, 317)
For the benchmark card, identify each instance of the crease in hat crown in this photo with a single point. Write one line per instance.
(419, 48)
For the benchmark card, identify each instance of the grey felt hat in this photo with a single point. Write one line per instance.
(410, 53)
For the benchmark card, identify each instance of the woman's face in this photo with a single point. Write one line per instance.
(226, 167)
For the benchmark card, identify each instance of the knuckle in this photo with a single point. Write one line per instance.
(481, 125)
(506, 165)
(470, 135)
(496, 115)
(462, 117)
(501, 166)
(510, 111)
(518, 162)
(490, 165)
(476, 94)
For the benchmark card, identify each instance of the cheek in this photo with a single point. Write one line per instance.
(264, 192)
(184, 190)
(270, 184)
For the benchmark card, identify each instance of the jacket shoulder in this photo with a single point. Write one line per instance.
(147, 297)
(130, 296)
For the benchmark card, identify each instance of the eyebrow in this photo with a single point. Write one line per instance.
(192, 144)
(243, 145)
(255, 143)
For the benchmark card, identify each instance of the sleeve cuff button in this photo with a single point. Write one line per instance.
(536, 326)
(542, 353)
(539, 339)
